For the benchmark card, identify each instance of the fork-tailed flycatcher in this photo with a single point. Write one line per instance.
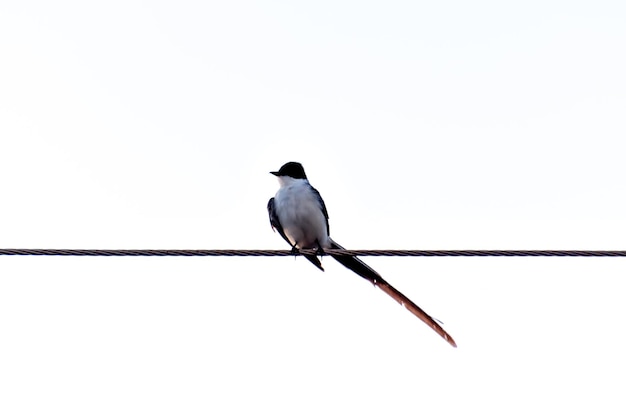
(299, 215)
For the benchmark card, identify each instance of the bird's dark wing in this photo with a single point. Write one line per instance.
(365, 271)
(322, 207)
(275, 222)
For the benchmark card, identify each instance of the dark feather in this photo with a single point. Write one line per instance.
(322, 207)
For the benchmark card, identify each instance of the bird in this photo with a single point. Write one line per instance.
(298, 213)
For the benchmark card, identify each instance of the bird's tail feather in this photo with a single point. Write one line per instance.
(354, 264)
(365, 271)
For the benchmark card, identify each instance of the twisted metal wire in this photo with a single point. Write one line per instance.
(283, 253)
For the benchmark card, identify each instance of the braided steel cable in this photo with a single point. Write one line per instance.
(283, 253)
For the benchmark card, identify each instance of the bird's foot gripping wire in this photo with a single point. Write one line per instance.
(294, 250)
(320, 250)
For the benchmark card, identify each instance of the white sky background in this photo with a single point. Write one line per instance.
(454, 125)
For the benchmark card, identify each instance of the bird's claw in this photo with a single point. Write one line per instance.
(320, 250)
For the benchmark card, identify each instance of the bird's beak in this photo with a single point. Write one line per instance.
(274, 173)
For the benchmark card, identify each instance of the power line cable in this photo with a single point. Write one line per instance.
(283, 253)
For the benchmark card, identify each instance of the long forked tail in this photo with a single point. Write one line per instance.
(365, 271)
